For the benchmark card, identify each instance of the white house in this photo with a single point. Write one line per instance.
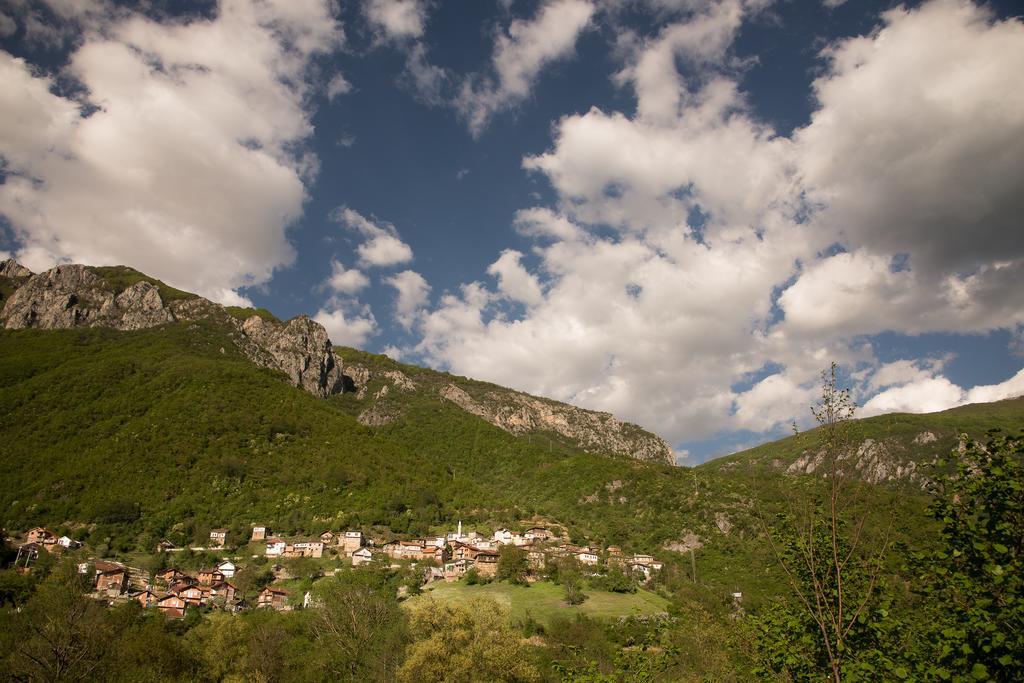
(69, 543)
(361, 556)
(227, 568)
(503, 536)
(588, 558)
(275, 547)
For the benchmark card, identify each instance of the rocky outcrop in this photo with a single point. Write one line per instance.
(14, 270)
(520, 413)
(76, 296)
(300, 348)
(873, 461)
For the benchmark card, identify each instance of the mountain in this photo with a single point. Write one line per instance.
(897, 448)
(72, 296)
(122, 432)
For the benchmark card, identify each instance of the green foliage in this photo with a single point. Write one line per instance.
(614, 580)
(465, 645)
(513, 565)
(244, 313)
(976, 579)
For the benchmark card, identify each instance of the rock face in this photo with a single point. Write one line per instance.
(873, 461)
(76, 296)
(521, 413)
(300, 348)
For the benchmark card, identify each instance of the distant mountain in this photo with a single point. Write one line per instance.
(896, 448)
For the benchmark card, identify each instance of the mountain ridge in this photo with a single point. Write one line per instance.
(121, 298)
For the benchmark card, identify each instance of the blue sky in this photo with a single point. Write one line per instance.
(676, 211)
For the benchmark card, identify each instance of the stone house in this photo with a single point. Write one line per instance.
(351, 541)
(305, 549)
(208, 577)
(259, 533)
(486, 563)
(111, 578)
(274, 598)
(218, 538)
(327, 537)
(537, 533)
(40, 535)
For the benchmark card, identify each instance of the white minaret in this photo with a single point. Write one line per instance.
(458, 534)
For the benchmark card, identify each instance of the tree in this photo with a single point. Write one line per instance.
(833, 567)
(977, 576)
(359, 623)
(59, 635)
(465, 645)
(513, 565)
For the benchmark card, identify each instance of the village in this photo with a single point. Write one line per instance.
(449, 558)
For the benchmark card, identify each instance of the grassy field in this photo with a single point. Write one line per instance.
(544, 600)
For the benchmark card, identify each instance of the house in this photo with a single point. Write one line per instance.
(227, 568)
(40, 535)
(275, 547)
(68, 543)
(588, 558)
(147, 598)
(463, 551)
(434, 553)
(503, 536)
(165, 546)
(486, 563)
(259, 533)
(208, 577)
(351, 541)
(111, 578)
(194, 596)
(305, 549)
(327, 537)
(171, 606)
(454, 570)
(361, 556)
(274, 598)
(218, 538)
(223, 593)
(645, 560)
(172, 576)
(28, 553)
(537, 533)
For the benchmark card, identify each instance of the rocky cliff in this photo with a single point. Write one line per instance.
(382, 388)
(82, 296)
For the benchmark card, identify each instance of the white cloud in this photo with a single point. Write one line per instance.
(776, 400)
(396, 19)
(347, 324)
(689, 244)
(413, 295)
(346, 280)
(194, 163)
(1011, 388)
(337, 86)
(514, 281)
(382, 246)
(520, 53)
(935, 393)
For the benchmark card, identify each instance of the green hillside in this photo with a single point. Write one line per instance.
(911, 441)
